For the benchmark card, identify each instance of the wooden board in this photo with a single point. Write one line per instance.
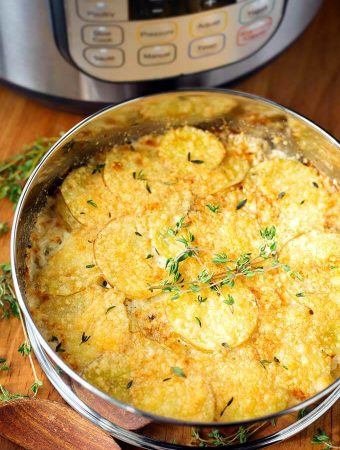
(306, 78)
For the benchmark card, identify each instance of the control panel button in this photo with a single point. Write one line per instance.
(102, 10)
(157, 33)
(256, 30)
(155, 55)
(101, 34)
(104, 57)
(255, 9)
(209, 24)
(199, 48)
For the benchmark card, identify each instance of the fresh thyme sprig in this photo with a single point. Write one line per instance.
(243, 266)
(180, 224)
(216, 439)
(6, 396)
(9, 306)
(13, 174)
(320, 437)
(15, 171)
(4, 367)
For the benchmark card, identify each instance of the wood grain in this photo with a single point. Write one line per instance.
(37, 423)
(306, 78)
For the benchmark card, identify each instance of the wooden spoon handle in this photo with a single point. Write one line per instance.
(46, 425)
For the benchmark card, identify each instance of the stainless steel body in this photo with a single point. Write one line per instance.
(30, 58)
(116, 125)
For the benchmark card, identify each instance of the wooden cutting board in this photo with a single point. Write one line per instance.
(306, 78)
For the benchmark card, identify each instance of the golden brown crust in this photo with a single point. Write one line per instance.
(101, 252)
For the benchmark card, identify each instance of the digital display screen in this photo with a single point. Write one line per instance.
(152, 9)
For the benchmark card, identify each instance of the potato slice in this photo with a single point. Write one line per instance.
(212, 324)
(168, 222)
(304, 367)
(148, 317)
(187, 398)
(46, 238)
(293, 192)
(296, 337)
(142, 184)
(184, 106)
(124, 253)
(233, 229)
(63, 211)
(243, 388)
(147, 377)
(316, 257)
(231, 171)
(87, 197)
(323, 318)
(191, 151)
(136, 179)
(94, 321)
(71, 268)
(333, 213)
(315, 249)
(112, 374)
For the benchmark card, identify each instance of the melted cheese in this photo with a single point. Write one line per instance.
(101, 246)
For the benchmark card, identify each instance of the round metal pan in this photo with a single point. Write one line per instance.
(122, 123)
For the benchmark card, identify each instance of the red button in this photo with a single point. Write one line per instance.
(255, 30)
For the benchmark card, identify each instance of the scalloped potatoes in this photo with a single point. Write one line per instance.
(192, 274)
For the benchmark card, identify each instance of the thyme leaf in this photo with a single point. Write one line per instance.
(139, 175)
(230, 300)
(178, 372)
(3, 228)
(59, 348)
(241, 204)
(302, 413)
(198, 320)
(264, 363)
(15, 171)
(92, 203)
(6, 396)
(36, 386)
(213, 208)
(226, 406)
(98, 168)
(4, 366)
(84, 338)
(320, 437)
(24, 349)
(194, 161)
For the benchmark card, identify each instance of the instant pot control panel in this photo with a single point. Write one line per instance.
(122, 41)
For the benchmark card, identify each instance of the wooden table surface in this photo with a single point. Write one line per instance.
(306, 78)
